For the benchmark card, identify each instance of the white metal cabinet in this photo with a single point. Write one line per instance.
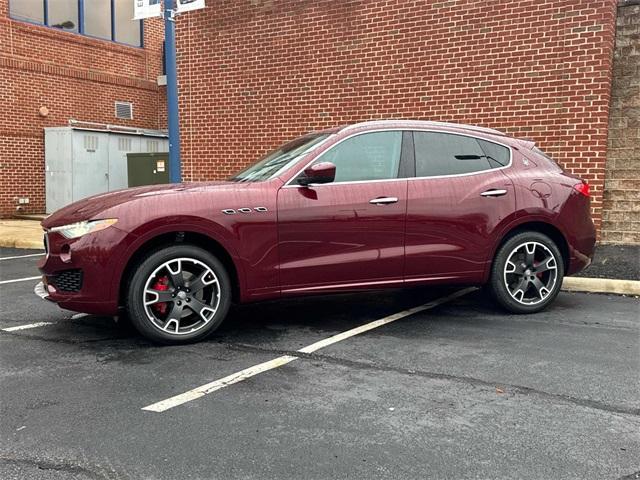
(119, 146)
(90, 169)
(81, 162)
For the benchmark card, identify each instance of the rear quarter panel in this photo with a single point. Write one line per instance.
(544, 193)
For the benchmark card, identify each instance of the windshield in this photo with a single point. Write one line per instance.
(273, 162)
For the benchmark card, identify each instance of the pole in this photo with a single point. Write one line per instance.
(175, 175)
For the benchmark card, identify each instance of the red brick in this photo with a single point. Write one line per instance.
(253, 74)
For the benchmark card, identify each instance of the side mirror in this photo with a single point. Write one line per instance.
(323, 172)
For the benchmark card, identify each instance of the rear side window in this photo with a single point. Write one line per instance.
(439, 154)
(497, 155)
(369, 156)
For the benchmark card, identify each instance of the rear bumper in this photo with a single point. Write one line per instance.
(581, 246)
(578, 262)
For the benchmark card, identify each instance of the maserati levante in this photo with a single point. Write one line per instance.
(382, 204)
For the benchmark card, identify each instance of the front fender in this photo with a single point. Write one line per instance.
(144, 234)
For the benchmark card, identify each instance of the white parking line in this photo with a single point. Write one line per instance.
(22, 256)
(203, 390)
(26, 279)
(77, 316)
(26, 327)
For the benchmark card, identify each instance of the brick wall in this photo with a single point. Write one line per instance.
(74, 77)
(622, 193)
(253, 73)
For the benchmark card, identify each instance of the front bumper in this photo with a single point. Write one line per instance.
(83, 274)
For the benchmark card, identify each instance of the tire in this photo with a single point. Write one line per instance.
(527, 273)
(178, 294)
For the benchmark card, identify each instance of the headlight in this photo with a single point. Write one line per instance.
(75, 230)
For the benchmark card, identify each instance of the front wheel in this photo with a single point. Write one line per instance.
(178, 294)
(527, 273)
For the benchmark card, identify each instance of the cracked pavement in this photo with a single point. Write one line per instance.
(460, 391)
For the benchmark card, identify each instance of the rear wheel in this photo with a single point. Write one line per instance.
(178, 294)
(527, 273)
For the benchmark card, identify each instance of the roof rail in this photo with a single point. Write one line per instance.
(431, 123)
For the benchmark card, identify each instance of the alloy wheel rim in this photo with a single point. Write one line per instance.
(181, 296)
(530, 273)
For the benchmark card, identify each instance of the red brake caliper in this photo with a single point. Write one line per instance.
(162, 285)
(536, 265)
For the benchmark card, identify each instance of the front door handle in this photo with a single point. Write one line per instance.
(384, 200)
(494, 192)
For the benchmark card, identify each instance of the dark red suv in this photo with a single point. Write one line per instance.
(368, 206)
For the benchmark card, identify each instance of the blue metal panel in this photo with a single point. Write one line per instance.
(141, 33)
(81, 16)
(175, 174)
(113, 21)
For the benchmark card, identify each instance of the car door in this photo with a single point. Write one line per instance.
(350, 232)
(458, 197)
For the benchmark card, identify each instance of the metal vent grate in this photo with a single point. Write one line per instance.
(90, 143)
(124, 110)
(152, 146)
(124, 144)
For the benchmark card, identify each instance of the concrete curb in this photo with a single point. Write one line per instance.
(21, 234)
(601, 285)
(16, 243)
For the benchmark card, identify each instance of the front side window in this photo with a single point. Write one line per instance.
(106, 19)
(369, 156)
(439, 154)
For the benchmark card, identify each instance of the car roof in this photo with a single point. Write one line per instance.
(485, 132)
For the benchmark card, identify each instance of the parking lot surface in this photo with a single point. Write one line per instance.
(460, 390)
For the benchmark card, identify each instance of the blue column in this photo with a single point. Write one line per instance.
(175, 175)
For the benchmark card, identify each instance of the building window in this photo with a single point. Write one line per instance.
(27, 10)
(126, 30)
(106, 19)
(97, 18)
(63, 14)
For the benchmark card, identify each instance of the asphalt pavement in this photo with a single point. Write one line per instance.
(460, 390)
(615, 261)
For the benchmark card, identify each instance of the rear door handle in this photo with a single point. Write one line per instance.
(384, 200)
(494, 192)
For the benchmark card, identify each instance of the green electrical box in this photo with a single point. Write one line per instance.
(147, 168)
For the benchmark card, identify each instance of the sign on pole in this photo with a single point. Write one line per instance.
(146, 9)
(188, 5)
(153, 8)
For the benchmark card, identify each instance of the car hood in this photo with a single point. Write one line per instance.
(91, 208)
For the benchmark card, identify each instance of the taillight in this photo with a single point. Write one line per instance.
(583, 188)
